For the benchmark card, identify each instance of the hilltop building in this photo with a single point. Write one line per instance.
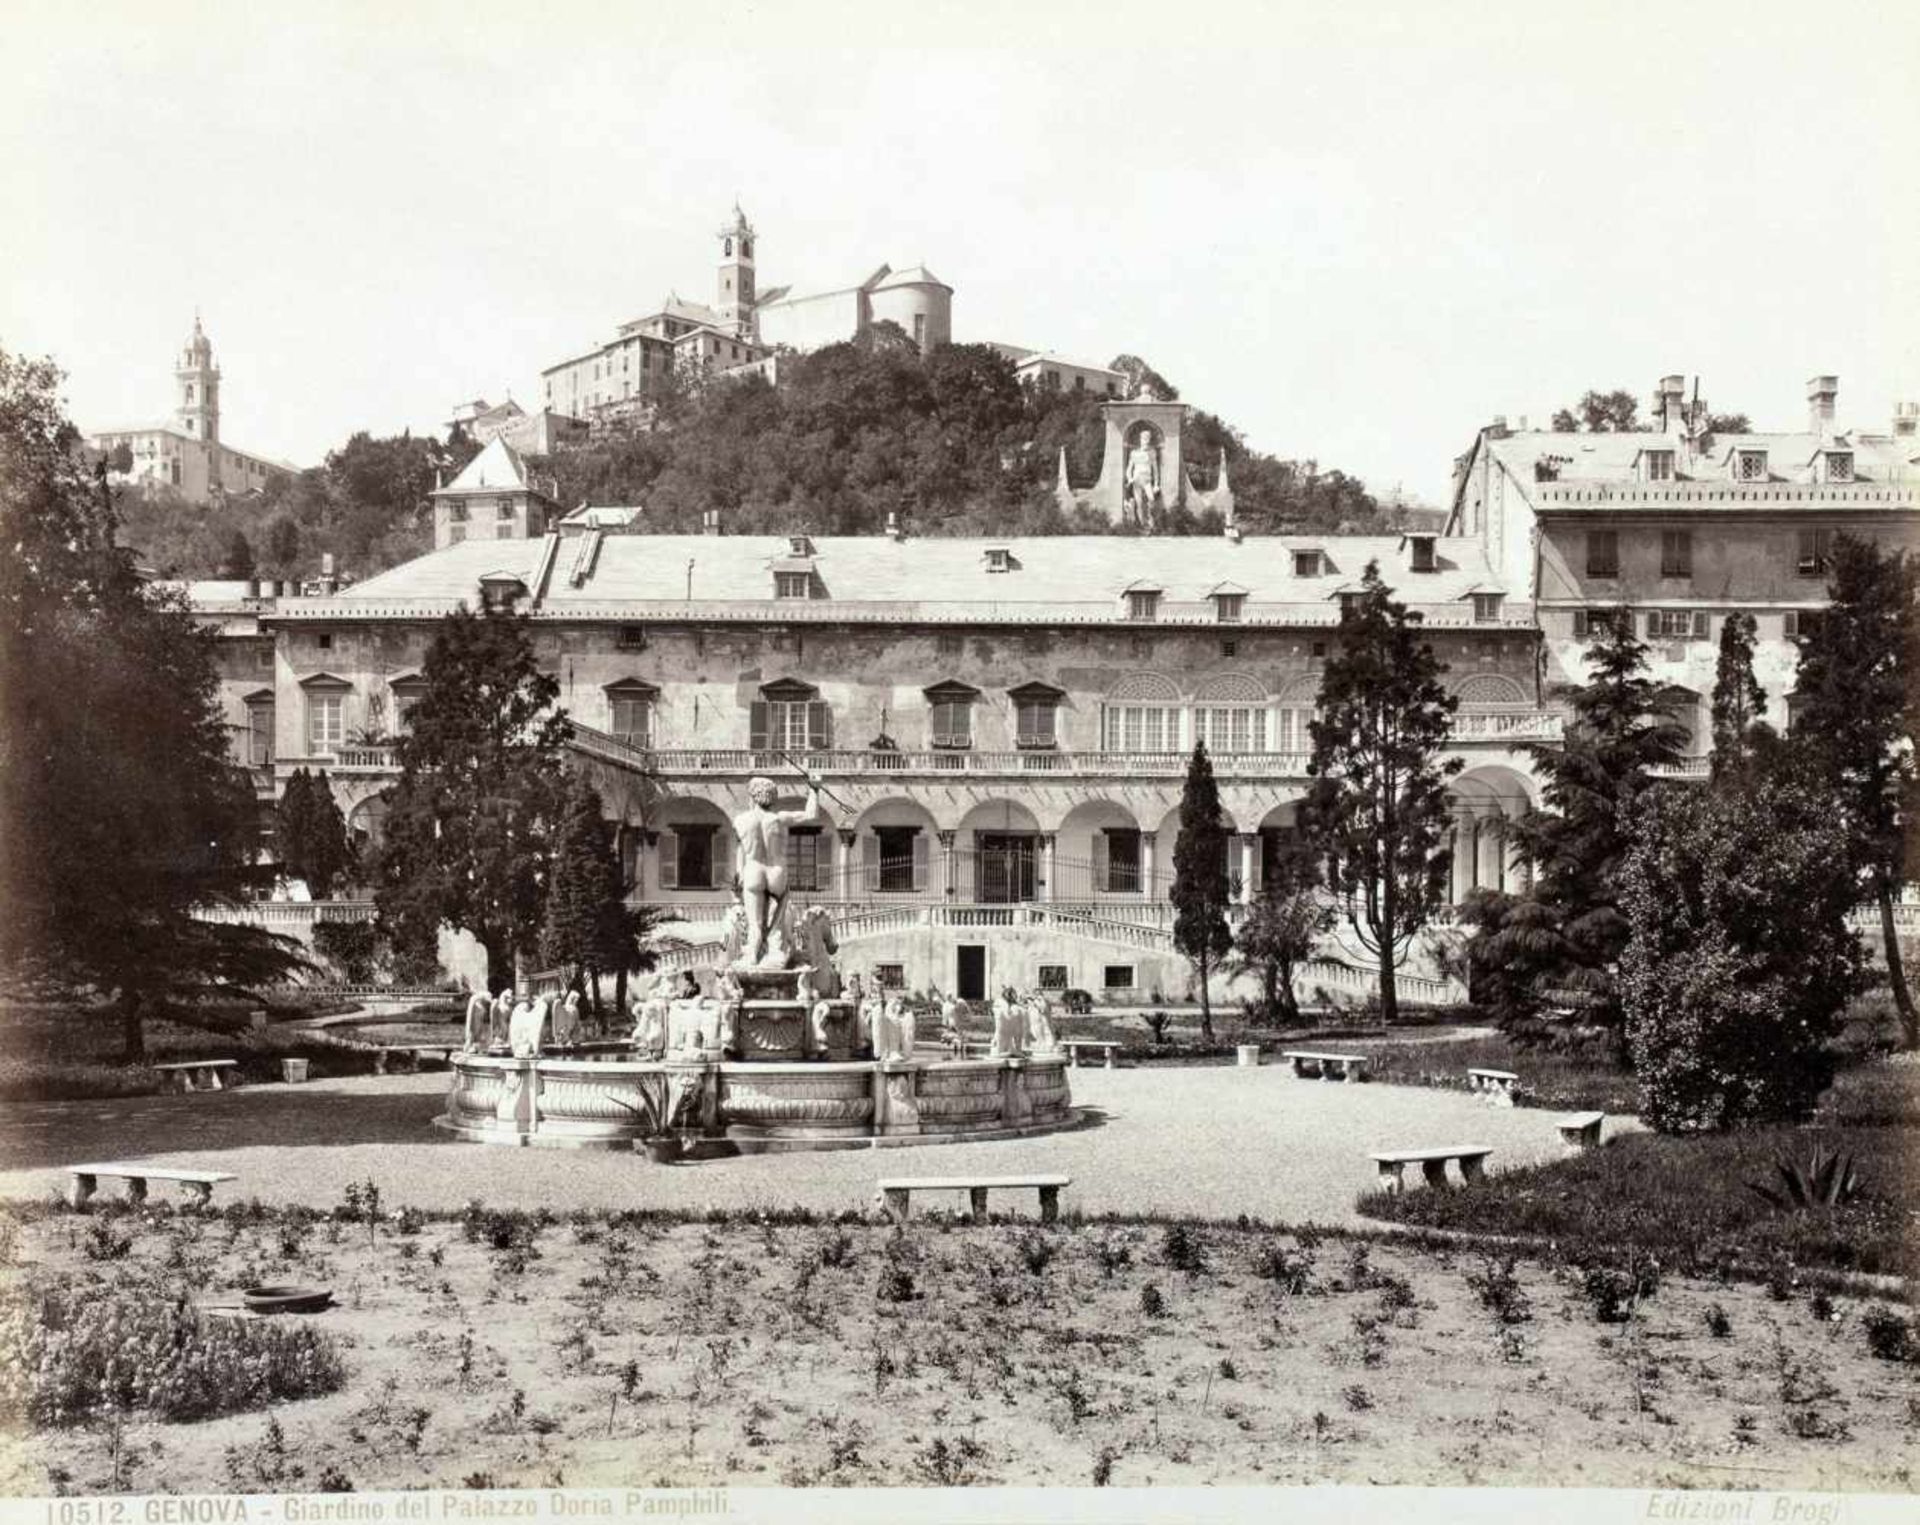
(186, 452)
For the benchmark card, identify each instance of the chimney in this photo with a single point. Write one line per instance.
(895, 529)
(1906, 420)
(1821, 392)
(1499, 428)
(710, 521)
(1670, 402)
(326, 563)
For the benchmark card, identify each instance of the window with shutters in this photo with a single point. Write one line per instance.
(789, 717)
(1814, 551)
(897, 859)
(633, 719)
(259, 732)
(1119, 874)
(1676, 553)
(1603, 553)
(1588, 624)
(1676, 625)
(806, 858)
(950, 714)
(1034, 710)
(694, 857)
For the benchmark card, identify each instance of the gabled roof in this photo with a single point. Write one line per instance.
(914, 275)
(497, 466)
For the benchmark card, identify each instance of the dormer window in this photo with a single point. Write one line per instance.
(1422, 547)
(1659, 465)
(792, 585)
(501, 591)
(1486, 608)
(1750, 465)
(1143, 604)
(799, 545)
(1350, 603)
(1229, 608)
(999, 559)
(1306, 563)
(1839, 465)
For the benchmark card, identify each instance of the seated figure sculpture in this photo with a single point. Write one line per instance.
(893, 1035)
(526, 1029)
(1040, 1035)
(650, 1026)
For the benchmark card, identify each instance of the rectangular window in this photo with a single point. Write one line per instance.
(890, 976)
(633, 720)
(1815, 549)
(694, 857)
(953, 723)
(1839, 465)
(1603, 553)
(1306, 563)
(1140, 728)
(1033, 722)
(791, 584)
(806, 858)
(1750, 466)
(1143, 606)
(1486, 608)
(1659, 465)
(1232, 728)
(1117, 977)
(1123, 861)
(1051, 977)
(633, 637)
(259, 735)
(794, 725)
(1228, 607)
(326, 723)
(1803, 623)
(1422, 553)
(1675, 624)
(1676, 553)
(949, 645)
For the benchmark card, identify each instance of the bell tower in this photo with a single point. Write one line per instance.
(199, 380)
(736, 289)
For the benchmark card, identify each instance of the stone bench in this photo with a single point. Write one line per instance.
(1496, 1085)
(199, 1183)
(1074, 1045)
(1580, 1130)
(1432, 1162)
(206, 1071)
(898, 1192)
(1307, 1063)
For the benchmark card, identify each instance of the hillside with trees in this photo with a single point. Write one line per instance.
(951, 441)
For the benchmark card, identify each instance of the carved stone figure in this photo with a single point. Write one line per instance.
(814, 934)
(479, 1021)
(733, 933)
(893, 1036)
(1040, 1034)
(1141, 484)
(650, 1026)
(760, 864)
(527, 1028)
(872, 1011)
(500, 1020)
(1009, 1025)
(566, 1021)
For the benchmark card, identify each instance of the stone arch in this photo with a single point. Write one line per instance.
(1486, 798)
(367, 823)
(1489, 688)
(1097, 852)
(693, 848)
(893, 849)
(1231, 688)
(1144, 688)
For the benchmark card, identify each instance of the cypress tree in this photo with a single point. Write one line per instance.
(1739, 702)
(1200, 889)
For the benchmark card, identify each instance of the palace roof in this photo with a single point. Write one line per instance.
(1062, 579)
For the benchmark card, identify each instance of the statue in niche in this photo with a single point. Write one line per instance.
(1141, 483)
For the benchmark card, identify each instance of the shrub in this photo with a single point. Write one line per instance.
(1889, 1336)
(77, 1349)
(1739, 961)
(1718, 1324)
(1291, 1268)
(1500, 1291)
(1826, 1180)
(1157, 1024)
(1612, 1292)
(1183, 1248)
(1152, 1302)
(1037, 1250)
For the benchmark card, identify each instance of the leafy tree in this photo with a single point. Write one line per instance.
(121, 812)
(1615, 412)
(1200, 891)
(1857, 696)
(1379, 813)
(1557, 945)
(1143, 378)
(589, 930)
(1728, 423)
(1276, 939)
(1738, 961)
(1739, 702)
(470, 821)
(312, 833)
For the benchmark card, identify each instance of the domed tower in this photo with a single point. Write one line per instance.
(199, 378)
(736, 276)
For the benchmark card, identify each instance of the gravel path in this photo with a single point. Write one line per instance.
(1212, 1142)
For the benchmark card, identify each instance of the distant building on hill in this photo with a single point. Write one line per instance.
(529, 433)
(186, 452)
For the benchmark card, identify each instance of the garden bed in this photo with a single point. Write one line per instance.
(509, 1350)
(1688, 1200)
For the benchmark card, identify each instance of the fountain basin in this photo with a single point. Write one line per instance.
(748, 1107)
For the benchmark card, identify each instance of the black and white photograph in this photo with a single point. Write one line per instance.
(978, 761)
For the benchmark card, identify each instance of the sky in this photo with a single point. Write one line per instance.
(1356, 232)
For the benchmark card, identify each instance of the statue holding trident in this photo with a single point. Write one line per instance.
(760, 863)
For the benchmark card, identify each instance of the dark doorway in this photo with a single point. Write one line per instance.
(1006, 863)
(970, 971)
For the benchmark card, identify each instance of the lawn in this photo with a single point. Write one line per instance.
(508, 1350)
(1565, 1079)
(1687, 1200)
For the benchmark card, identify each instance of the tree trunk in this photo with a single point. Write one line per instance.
(133, 1034)
(1206, 1004)
(620, 996)
(1289, 1003)
(1896, 975)
(1389, 996)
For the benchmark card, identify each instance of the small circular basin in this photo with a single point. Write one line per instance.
(286, 1299)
